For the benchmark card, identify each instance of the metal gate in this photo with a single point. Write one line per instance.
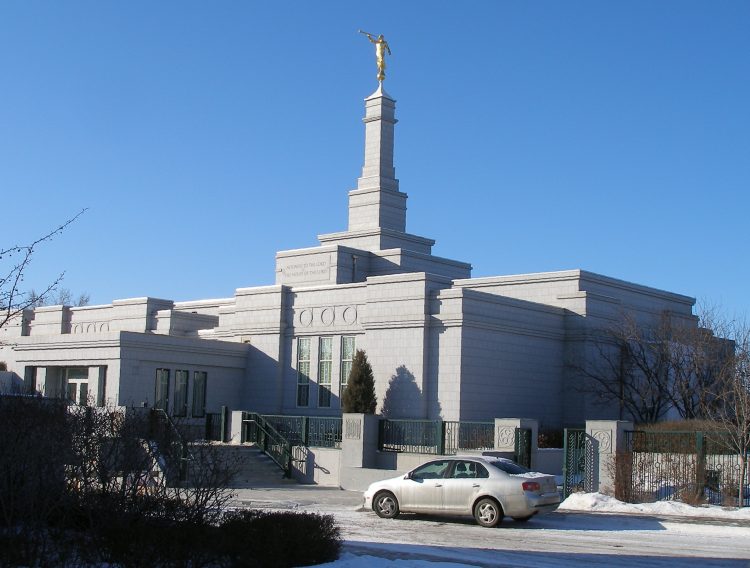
(577, 461)
(695, 467)
(523, 447)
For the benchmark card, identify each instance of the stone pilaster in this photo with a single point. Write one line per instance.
(49, 382)
(359, 444)
(97, 385)
(235, 428)
(607, 439)
(505, 435)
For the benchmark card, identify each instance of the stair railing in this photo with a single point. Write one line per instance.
(177, 455)
(258, 430)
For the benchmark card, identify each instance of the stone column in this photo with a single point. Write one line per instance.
(235, 428)
(30, 380)
(359, 444)
(505, 435)
(607, 439)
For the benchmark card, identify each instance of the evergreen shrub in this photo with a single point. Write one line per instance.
(359, 395)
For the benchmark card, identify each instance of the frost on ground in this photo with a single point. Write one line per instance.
(596, 502)
(656, 535)
(349, 560)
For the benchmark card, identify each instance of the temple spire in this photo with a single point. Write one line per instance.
(377, 202)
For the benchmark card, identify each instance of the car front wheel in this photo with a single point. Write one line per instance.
(386, 505)
(488, 513)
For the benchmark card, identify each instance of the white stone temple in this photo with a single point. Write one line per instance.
(441, 344)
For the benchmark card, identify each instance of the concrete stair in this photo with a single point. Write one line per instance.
(254, 468)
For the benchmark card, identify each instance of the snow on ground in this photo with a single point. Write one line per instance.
(656, 535)
(349, 560)
(596, 502)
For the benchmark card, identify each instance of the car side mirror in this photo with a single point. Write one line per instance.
(408, 475)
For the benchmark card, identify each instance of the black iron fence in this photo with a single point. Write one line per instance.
(435, 436)
(693, 467)
(216, 425)
(311, 431)
(523, 447)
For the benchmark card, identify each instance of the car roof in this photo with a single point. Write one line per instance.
(486, 459)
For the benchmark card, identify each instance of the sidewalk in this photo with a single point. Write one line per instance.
(296, 497)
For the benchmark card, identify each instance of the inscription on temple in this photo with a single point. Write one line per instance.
(310, 270)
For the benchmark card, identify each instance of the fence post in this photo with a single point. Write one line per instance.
(288, 470)
(604, 440)
(505, 436)
(441, 437)
(700, 464)
(208, 423)
(305, 430)
(236, 427)
(359, 441)
(224, 420)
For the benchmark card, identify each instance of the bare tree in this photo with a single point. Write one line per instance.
(60, 297)
(698, 355)
(649, 370)
(729, 408)
(628, 365)
(16, 260)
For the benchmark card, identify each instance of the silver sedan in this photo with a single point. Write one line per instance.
(485, 487)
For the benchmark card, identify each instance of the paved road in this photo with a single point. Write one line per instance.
(559, 539)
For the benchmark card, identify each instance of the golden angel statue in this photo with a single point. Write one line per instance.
(381, 46)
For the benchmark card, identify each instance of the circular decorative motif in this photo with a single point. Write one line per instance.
(506, 437)
(326, 316)
(305, 318)
(350, 315)
(605, 440)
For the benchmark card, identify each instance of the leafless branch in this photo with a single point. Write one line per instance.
(13, 299)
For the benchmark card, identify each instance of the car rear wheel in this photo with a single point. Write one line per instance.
(386, 505)
(488, 513)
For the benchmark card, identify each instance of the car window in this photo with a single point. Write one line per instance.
(469, 470)
(509, 467)
(432, 470)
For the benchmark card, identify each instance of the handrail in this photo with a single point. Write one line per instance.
(279, 449)
(185, 455)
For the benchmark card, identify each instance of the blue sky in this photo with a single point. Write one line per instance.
(533, 136)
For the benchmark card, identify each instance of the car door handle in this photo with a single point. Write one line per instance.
(438, 485)
(475, 485)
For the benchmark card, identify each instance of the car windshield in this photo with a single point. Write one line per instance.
(509, 467)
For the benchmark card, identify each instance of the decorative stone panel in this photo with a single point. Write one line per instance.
(604, 437)
(506, 437)
(353, 429)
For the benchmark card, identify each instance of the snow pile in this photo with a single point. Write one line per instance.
(596, 502)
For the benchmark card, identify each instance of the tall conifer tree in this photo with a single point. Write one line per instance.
(359, 395)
